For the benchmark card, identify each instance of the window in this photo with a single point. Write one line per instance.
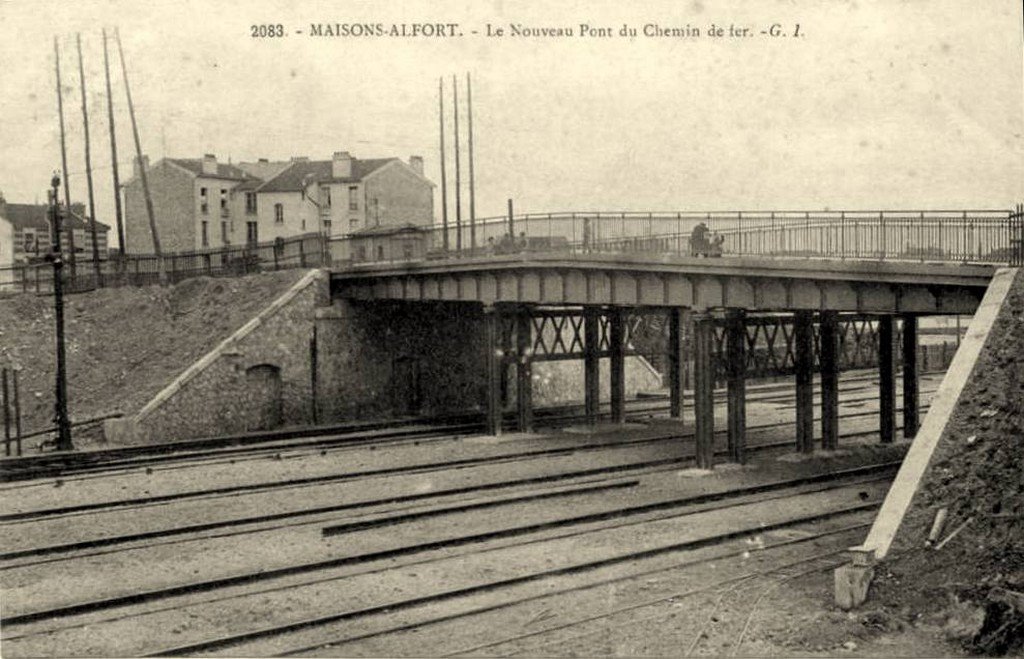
(327, 227)
(206, 233)
(204, 204)
(407, 249)
(224, 233)
(251, 234)
(353, 197)
(279, 213)
(361, 253)
(250, 203)
(380, 252)
(223, 203)
(325, 196)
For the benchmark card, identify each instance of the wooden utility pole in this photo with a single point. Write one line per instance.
(458, 177)
(472, 183)
(88, 165)
(113, 152)
(444, 175)
(64, 161)
(142, 166)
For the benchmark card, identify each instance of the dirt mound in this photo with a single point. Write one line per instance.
(968, 587)
(123, 344)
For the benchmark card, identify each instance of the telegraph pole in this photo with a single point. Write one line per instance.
(63, 425)
(88, 165)
(142, 168)
(458, 191)
(444, 175)
(113, 152)
(472, 190)
(64, 158)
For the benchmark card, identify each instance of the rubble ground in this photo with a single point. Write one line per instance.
(123, 344)
(971, 588)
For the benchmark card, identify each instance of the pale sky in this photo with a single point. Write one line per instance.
(913, 104)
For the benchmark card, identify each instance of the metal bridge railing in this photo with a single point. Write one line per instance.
(979, 236)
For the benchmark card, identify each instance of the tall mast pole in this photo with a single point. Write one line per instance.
(472, 188)
(138, 156)
(64, 160)
(113, 151)
(458, 177)
(88, 164)
(444, 175)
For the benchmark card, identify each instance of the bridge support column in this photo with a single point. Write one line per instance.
(911, 399)
(704, 391)
(828, 360)
(591, 364)
(494, 360)
(736, 353)
(886, 381)
(617, 348)
(803, 358)
(524, 371)
(677, 356)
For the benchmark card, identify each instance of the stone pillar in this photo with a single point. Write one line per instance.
(803, 359)
(886, 381)
(524, 371)
(704, 391)
(911, 398)
(493, 360)
(591, 364)
(828, 340)
(617, 370)
(736, 359)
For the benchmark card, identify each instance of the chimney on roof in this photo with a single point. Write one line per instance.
(210, 164)
(341, 165)
(416, 162)
(137, 169)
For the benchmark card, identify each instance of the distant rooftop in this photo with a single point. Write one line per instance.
(303, 172)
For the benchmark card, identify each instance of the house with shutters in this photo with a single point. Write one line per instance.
(204, 204)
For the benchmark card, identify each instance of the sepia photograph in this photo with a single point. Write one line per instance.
(583, 329)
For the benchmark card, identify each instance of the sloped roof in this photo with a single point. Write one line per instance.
(264, 169)
(37, 216)
(303, 172)
(224, 170)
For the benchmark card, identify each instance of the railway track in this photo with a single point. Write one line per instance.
(423, 467)
(558, 527)
(272, 443)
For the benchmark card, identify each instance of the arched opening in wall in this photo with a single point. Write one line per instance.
(406, 386)
(264, 402)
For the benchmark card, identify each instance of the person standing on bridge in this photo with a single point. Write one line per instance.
(699, 239)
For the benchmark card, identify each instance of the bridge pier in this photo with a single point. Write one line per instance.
(911, 399)
(617, 370)
(803, 361)
(704, 391)
(524, 371)
(677, 319)
(493, 361)
(886, 381)
(828, 361)
(736, 359)
(591, 364)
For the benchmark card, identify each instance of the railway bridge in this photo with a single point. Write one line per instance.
(577, 286)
